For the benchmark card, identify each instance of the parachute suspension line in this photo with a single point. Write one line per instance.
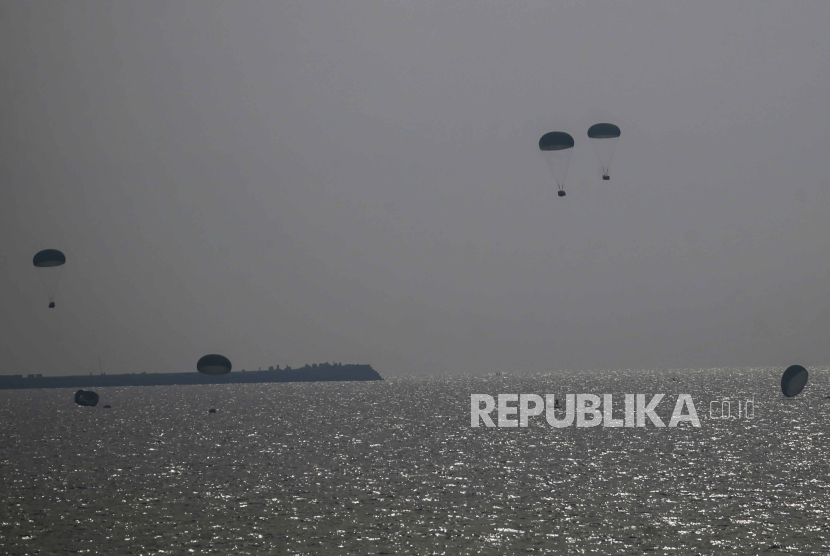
(57, 283)
(49, 286)
(608, 164)
(604, 165)
(53, 287)
(561, 184)
(564, 174)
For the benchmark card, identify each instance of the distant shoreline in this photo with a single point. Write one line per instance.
(319, 373)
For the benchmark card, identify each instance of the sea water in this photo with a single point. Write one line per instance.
(394, 467)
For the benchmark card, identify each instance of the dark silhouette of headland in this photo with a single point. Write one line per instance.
(324, 372)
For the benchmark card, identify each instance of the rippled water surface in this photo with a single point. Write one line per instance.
(394, 467)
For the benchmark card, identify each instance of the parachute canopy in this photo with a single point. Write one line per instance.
(214, 364)
(557, 147)
(604, 139)
(52, 260)
(48, 258)
(793, 380)
(556, 141)
(603, 131)
(86, 398)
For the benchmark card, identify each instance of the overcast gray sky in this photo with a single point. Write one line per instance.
(292, 182)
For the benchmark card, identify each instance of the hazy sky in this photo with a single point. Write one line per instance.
(291, 182)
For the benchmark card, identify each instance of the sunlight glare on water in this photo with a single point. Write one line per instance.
(394, 467)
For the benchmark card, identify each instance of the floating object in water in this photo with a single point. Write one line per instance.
(793, 380)
(212, 410)
(214, 364)
(86, 398)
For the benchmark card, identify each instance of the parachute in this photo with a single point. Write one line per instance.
(214, 364)
(793, 380)
(86, 398)
(556, 147)
(604, 139)
(50, 260)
